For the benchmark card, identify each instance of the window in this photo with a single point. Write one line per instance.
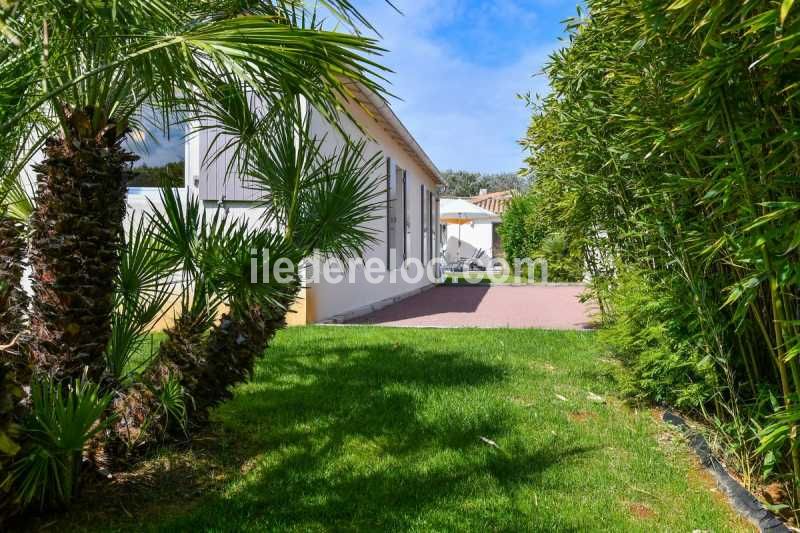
(161, 157)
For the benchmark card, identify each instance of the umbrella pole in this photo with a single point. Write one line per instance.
(459, 243)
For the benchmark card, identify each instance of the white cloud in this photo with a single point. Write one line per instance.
(463, 112)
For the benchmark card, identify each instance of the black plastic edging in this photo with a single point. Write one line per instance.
(741, 499)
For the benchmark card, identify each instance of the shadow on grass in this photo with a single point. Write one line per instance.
(371, 440)
(358, 435)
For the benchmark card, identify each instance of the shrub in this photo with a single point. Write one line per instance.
(11, 394)
(514, 231)
(662, 361)
(63, 420)
(667, 152)
(528, 232)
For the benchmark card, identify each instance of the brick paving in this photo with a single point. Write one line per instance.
(546, 307)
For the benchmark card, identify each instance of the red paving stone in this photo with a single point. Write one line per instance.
(547, 307)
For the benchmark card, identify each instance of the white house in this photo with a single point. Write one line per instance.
(464, 239)
(405, 227)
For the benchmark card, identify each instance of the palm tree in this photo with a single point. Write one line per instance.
(13, 299)
(93, 69)
(15, 371)
(312, 201)
(15, 209)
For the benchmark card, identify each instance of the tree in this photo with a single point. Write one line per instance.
(75, 77)
(312, 201)
(84, 72)
(317, 203)
(169, 175)
(515, 232)
(530, 230)
(461, 183)
(14, 368)
(667, 147)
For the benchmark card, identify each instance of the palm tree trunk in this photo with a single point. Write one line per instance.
(14, 370)
(232, 348)
(181, 354)
(208, 366)
(76, 237)
(13, 300)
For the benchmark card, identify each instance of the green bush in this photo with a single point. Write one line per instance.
(662, 360)
(564, 258)
(528, 232)
(668, 153)
(62, 421)
(11, 439)
(514, 232)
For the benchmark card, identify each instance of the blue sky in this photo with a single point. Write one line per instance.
(458, 68)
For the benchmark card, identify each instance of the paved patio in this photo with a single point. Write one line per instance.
(547, 307)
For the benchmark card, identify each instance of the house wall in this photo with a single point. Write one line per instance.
(474, 236)
(323, 300)
(336, 299)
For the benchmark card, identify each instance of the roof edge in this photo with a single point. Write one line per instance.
(388, 114)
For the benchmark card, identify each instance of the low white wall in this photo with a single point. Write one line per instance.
(141, 200)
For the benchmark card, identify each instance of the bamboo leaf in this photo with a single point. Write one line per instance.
(786, 6)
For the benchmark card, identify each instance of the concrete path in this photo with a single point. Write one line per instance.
(547, 307)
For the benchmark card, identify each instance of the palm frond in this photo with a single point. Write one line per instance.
(62, 422)
(324, 202)
(143, 291)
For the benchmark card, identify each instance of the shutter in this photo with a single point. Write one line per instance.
(398, 231)
(388, 213)
(439, 234)
(422, 223)
(431, 226)
(219, 173)
(405, 215)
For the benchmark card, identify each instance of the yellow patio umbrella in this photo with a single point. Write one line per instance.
(460, 212)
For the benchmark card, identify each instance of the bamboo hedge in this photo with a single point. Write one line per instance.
(669, 151)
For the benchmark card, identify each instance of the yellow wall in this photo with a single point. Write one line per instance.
(300, 314)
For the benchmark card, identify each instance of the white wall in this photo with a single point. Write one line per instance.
(334, 299)
(474, 236)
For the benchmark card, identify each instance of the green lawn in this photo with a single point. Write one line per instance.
(375, 429)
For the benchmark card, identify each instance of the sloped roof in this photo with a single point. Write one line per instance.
(380, 108)
(493, 201)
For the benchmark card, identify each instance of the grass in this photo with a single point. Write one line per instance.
(144, 354)
(373, 429)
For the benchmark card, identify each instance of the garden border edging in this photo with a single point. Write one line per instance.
(745, 503)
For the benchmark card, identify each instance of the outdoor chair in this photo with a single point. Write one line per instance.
(465, 264)
(474, 262)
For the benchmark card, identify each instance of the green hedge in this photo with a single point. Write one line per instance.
(669, 153)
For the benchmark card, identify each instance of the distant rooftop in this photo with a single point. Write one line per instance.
(493, 201)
